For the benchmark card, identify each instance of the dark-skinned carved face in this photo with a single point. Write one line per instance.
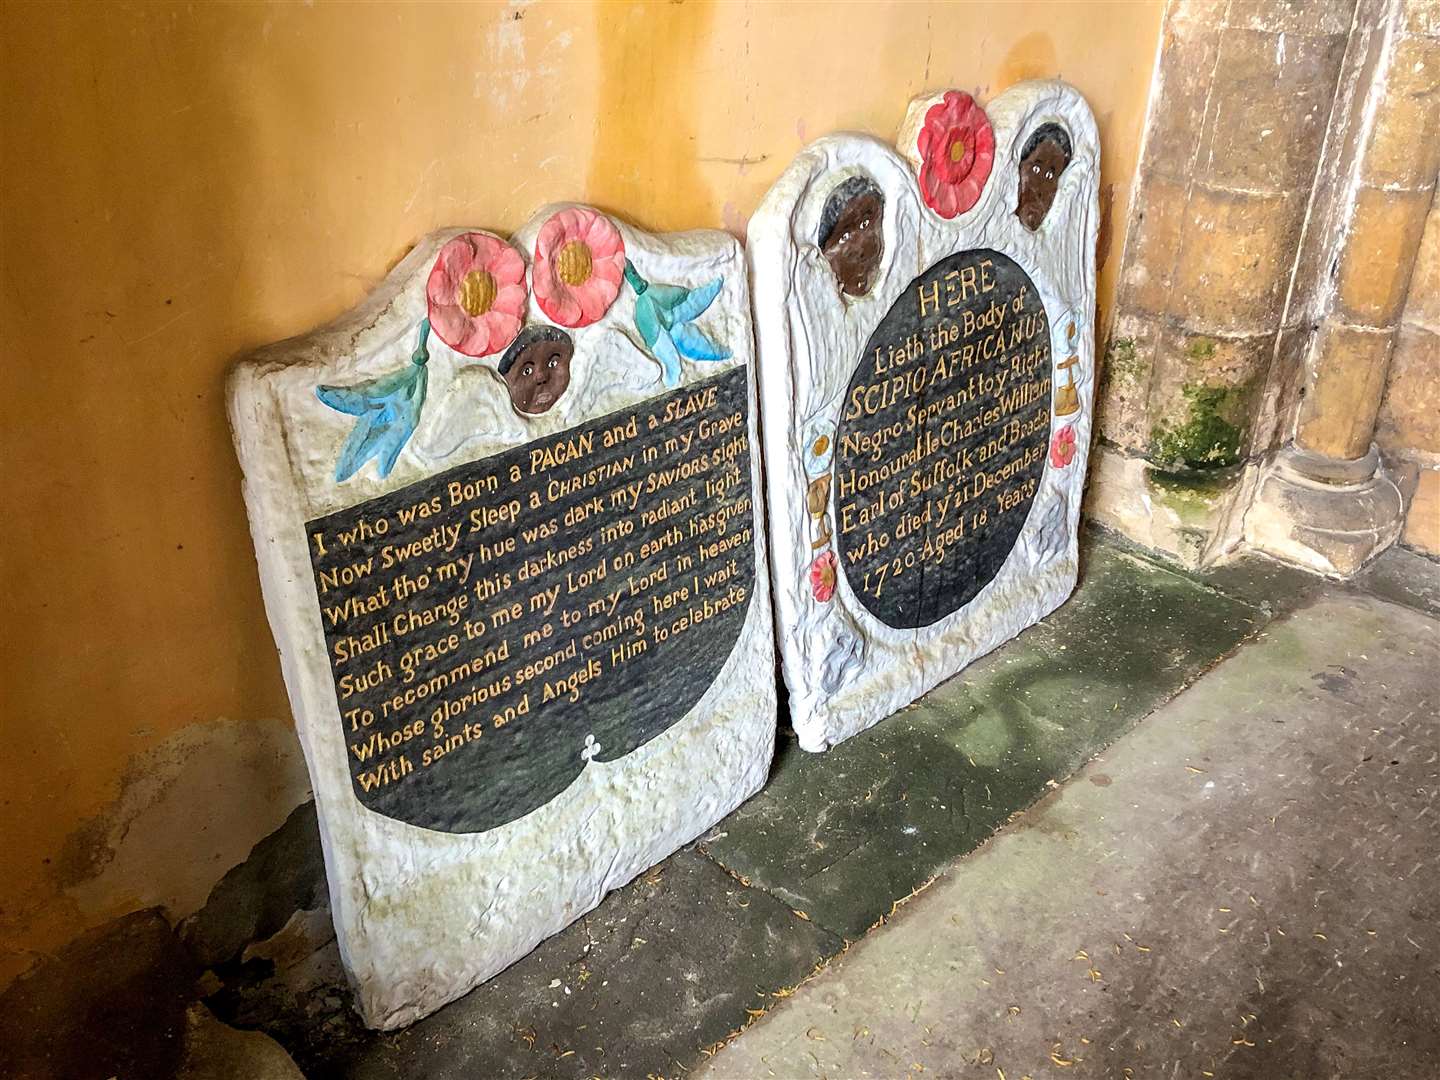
(536, 368)
(1047, 153)
(852, 237)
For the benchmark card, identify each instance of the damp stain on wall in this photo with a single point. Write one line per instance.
(1032, 57)
(643, 162)
(186, 810)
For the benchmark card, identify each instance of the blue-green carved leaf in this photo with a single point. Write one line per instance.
(669, 359)
(692, 343)
(662, 316)
(697, 301)
(646, 319)
(387, 410)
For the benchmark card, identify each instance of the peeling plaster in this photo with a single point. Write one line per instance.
(189, 809)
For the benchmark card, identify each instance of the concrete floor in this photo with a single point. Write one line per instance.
(775, 945)
(667, 969)
(1247, 885)
(1244, 882)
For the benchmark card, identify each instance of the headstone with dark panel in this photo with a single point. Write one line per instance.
(926, 329)
(506, 515)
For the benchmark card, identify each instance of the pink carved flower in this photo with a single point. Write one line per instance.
(957, 148)
(1062, 447)
(476, 294)
(579, 264)
(823, 573)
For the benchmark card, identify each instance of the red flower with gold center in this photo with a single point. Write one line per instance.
(957, 149)
(579, 264)
(475, 294)
(823, 573)
(1062, 447)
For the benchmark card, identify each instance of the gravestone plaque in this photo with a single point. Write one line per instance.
(926, 324)
(506, 520)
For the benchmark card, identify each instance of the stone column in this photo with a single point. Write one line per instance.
(1239, 116)
(1408, 430)
(1326, 501)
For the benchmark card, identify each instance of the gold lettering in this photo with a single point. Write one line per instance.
(933, 300)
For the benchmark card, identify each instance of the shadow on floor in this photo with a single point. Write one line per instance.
(670, 967)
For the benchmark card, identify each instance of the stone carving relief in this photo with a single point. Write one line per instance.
(506, 515)
(926, 393)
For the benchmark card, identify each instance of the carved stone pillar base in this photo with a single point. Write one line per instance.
(1324, 514)
(1193, 519)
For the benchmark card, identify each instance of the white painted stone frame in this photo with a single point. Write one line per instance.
(423, 916)
(810, 340)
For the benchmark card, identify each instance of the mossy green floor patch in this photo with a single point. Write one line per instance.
(843, 835)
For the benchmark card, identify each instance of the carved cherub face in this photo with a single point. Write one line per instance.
(536, 368)
(1046, 155)
(852, 235)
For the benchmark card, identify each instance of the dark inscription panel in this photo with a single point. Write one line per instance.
(492, 628)
(942, 438)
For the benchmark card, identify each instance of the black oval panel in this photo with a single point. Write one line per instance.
(610, 569)
(942, 438)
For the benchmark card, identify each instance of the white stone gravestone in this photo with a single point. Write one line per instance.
(926, 326)
(506, 519)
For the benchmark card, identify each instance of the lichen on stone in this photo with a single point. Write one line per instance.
(1192, 497)
(1123, 360)
(1208, 436)
(1200, 349)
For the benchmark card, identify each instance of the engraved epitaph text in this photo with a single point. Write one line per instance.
(943, 434)
(495, 627)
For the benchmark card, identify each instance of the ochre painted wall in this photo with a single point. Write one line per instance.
(183, 182)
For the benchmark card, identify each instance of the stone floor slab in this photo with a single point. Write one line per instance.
(1404, 577)
(1397, 575)
(1246, 886)
(660, 970)
(1274, 586)
(843, 835)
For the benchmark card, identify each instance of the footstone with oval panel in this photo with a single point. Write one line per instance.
(506, 519)
(925, 322)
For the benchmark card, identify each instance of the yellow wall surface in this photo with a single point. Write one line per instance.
(184, 182)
